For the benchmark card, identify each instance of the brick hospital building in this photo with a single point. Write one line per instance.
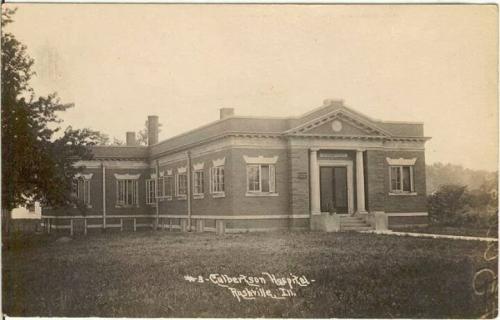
(244, 173)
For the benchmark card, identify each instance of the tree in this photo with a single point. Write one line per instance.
(38, 160)
(104, 140)
(446, 202)
(439, 174)
(117, 142)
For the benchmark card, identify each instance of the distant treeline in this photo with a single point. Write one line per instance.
(439, 174)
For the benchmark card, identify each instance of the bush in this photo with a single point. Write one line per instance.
(479, 198)
(454, 205)
(446, 202)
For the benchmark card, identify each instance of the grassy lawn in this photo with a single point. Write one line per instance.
(142, 274)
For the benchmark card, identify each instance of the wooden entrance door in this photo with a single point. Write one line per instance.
(333, 189)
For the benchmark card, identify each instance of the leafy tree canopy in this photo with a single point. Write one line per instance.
(439, 174)
(38, 157)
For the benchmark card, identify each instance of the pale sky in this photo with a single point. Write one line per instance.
(435, 64)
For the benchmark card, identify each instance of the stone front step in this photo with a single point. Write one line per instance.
(350, 223)
(354, 224)
(352, 220)
(367, 228)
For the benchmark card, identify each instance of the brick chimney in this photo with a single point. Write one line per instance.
(131, 138)
(226, 112)
(152, 130)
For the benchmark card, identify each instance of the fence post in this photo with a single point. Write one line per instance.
(200, 225)
(220, 226)
(71, 232)
(48, 223)
(85, 226)
(184, 225)
(135, 224)
(121, 224)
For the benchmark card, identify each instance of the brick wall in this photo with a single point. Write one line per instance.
(111, 208)
(262, 205)
(292, 186)
(378, 198)
(235, 202)
(208, 205)
(375, 177)
(298, 173)
(416, 203)
(95, 198)
(96, 195)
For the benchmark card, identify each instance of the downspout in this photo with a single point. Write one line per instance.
(103, 196)
(156, 194)
(188, 153)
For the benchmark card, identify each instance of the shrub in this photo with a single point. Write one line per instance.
(479, 198)
(446, 202)
(454, 205)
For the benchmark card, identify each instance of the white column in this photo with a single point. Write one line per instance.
(360, 182)
(314, 179)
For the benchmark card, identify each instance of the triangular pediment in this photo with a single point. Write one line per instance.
(342, 122)
(339, 126)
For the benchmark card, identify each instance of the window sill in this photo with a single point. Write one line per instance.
(120, 206)
(262, 194)
(182, 197)
(88, 206)
(403, 193)
(163, 198)
(198, 196)
(218, 195)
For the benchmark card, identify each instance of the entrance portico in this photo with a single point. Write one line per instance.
(332, 181)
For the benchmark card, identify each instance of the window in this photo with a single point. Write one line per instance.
(181, 185)
(217, 181)
(150, 191)
(161, 188)
(261, 178)
(127, 192)
(82, 190)
(198, 183)
(401, 178)
(168, 187)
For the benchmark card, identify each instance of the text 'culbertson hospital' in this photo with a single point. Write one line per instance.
(293, 280)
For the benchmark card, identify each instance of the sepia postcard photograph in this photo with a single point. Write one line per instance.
(249, 160)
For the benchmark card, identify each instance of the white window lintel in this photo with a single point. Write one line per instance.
(219, 162)
(86, 176)
(198, 166)
(261, 160)
(127, 176)
(401, 162)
